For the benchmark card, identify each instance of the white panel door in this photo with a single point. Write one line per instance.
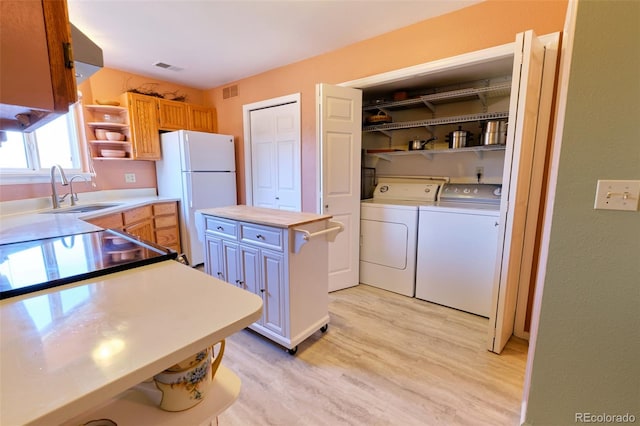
(521, 139)
(340, 140)
(275, 157)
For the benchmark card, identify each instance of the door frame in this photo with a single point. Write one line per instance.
(246, 124)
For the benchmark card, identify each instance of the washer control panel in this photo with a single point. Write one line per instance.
(472, 192)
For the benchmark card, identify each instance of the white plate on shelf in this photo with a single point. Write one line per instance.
(112, 153)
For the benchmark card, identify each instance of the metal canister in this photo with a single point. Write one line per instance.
(494, 132)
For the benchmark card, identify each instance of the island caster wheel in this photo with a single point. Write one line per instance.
(293, 351)
(324, 328)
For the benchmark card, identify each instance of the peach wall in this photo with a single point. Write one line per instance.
(109, 84)
(487, 24)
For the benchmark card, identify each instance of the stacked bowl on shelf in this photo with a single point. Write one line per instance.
(111, 136)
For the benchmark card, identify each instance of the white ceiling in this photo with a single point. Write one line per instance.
(215, 42)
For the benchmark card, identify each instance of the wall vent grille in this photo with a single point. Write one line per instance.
(230, 92)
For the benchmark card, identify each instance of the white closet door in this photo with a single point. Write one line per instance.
(340, 140)
(275, 157)
(521, 139)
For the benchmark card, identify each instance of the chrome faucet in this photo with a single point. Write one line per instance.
(74, 195)
(55, 200)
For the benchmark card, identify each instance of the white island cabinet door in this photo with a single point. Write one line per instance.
(213, 264)
(521, 140)
(273, 314)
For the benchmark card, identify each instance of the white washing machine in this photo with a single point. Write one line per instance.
(389, 232)
(457, 247)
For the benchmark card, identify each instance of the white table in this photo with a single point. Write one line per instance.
(69, 349)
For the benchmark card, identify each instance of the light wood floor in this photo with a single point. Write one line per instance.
(385, 360)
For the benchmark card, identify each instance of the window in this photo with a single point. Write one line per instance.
(33, 154)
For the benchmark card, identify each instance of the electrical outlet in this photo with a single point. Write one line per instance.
(479, 170)
(130, 177)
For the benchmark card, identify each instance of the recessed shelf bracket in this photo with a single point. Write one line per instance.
(429, 105)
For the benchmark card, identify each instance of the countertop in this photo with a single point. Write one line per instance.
(68, 349)
(265, 216)
(23, 221)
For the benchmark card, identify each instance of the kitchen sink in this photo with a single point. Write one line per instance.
(83, 209)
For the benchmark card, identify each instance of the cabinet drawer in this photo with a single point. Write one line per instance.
(164, 221)
(113, 221)
(137, 214)
(261, 235)
(221, 226)
(165, 208)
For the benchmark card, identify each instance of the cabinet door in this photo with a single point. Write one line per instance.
(201, 119)
(272, 291)
(250, 269)
(172, 115)
(36, 81)
(214, 264)
(230, 258)
(165, 224)
(144, 230)
(143, 119)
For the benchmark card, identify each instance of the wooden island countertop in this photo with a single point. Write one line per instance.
(265, 216)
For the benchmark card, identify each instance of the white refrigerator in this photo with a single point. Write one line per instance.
(200, 169)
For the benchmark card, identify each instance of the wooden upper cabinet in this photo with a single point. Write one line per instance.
(201, 118)
(143, 125)
(36, 84)
(148, 115)
(172, 115)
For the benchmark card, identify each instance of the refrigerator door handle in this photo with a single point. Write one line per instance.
(189, 191)
(187, 152)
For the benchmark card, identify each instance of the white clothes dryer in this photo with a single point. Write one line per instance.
(389, 233)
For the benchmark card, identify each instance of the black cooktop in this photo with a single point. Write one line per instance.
(35, 265)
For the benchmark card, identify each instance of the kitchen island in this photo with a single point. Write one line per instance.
(69, 349)
(281, 256)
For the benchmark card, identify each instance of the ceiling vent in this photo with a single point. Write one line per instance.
(230, 92)
(167, 66)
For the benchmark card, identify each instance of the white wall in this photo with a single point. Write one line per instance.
(587, 349)
(459, 166)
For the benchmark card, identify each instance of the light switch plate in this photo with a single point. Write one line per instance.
(617, 195)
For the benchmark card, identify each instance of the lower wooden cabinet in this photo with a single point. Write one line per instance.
(110, 221)
(166, 225)
(157, 223)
